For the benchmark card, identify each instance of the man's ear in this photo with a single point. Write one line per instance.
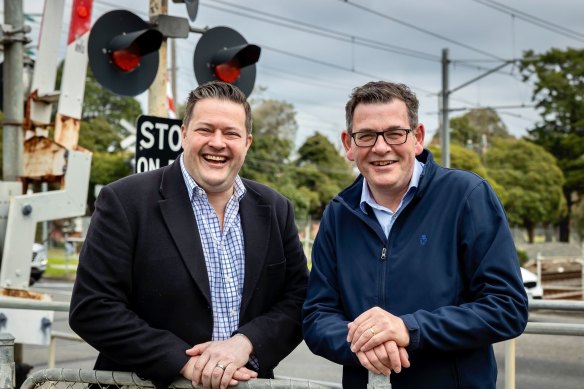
(419, 133)
(346, 139)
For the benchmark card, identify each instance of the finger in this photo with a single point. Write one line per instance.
(228, 375)
(216, 375)
(207, 374)
(365, 362)
(352, 327)
(383, 358)
(244, 374)
(362, 335)
(198, 368)
(377, 364)
(197, 349)
(404, 357)
(394, 356)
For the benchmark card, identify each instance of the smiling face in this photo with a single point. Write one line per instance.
(215, 143)
(387, 169)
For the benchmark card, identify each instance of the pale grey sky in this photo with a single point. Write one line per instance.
(315, 51)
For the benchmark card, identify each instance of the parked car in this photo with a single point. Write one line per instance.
(39, 262)
(533, 289)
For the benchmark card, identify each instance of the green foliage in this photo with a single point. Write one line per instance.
(533, 181)
(107, 167)
(558, 78)
(522, 255)
(465, 159)
(312, 180)
(323, 170)
(274, 128)
(473, 125)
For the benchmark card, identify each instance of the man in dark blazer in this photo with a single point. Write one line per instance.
(189, 269)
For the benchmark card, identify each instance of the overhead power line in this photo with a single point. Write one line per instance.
(533, 19)
(417, 28)
(319, 30)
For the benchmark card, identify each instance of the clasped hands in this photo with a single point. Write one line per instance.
(379, 340)
(219, 364)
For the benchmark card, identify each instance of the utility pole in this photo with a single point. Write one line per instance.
(173, 69)
(157, 104)
(445, 136)
(445, 95)
(13, 38)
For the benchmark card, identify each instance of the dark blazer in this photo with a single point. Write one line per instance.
(142, 297)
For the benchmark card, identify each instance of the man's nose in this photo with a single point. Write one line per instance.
(380, 144)
(217, 139)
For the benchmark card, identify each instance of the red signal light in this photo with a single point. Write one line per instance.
(126, 60)
(80, 19)
(82, 11)
(227, 72)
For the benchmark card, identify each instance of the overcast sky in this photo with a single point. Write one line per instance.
(315, 51)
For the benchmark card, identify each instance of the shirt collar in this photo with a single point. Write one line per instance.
(195, 190)
(367, 197)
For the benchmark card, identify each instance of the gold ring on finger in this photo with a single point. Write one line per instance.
(372, 331)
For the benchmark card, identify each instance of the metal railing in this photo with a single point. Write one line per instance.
(542, 328)
(375, 381)
(53, 377)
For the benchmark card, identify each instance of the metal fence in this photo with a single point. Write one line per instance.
(541, 328)
(77, 379)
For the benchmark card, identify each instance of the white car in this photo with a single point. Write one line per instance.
(533, 289)
(39, 262)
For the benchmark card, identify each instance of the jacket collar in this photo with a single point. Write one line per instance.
(351, 195)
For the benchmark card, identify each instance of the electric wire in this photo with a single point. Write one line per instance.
(417, 28)
(532, 19)
(322, 31)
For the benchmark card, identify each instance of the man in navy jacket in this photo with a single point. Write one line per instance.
(414, 264)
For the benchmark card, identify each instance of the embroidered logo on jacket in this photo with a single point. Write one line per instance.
(423, 239)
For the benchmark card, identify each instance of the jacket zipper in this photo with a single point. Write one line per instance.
(382, 285)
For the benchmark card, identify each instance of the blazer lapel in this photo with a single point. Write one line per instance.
(178, 215)
(255, 223)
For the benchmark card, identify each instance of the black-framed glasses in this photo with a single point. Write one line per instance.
(394, 136)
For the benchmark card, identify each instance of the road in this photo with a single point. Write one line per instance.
(543, 361)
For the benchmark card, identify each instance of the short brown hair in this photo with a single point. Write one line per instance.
(382, 92)
(218, 90)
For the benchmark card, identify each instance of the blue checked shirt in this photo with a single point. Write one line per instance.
(224, 254)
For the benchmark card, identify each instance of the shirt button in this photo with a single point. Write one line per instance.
(233, 312)
(228, 279)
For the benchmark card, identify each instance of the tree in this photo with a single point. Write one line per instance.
(274, 129)
(323, 170)
(533, 182)
(465, 159)
(473, 126)
(558, 78)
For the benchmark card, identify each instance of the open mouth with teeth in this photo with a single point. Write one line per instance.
(383, 163)
(215, 158)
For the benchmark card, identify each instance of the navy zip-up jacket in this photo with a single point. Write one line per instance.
(449, 269)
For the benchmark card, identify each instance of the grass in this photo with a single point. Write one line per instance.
(56, 265)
